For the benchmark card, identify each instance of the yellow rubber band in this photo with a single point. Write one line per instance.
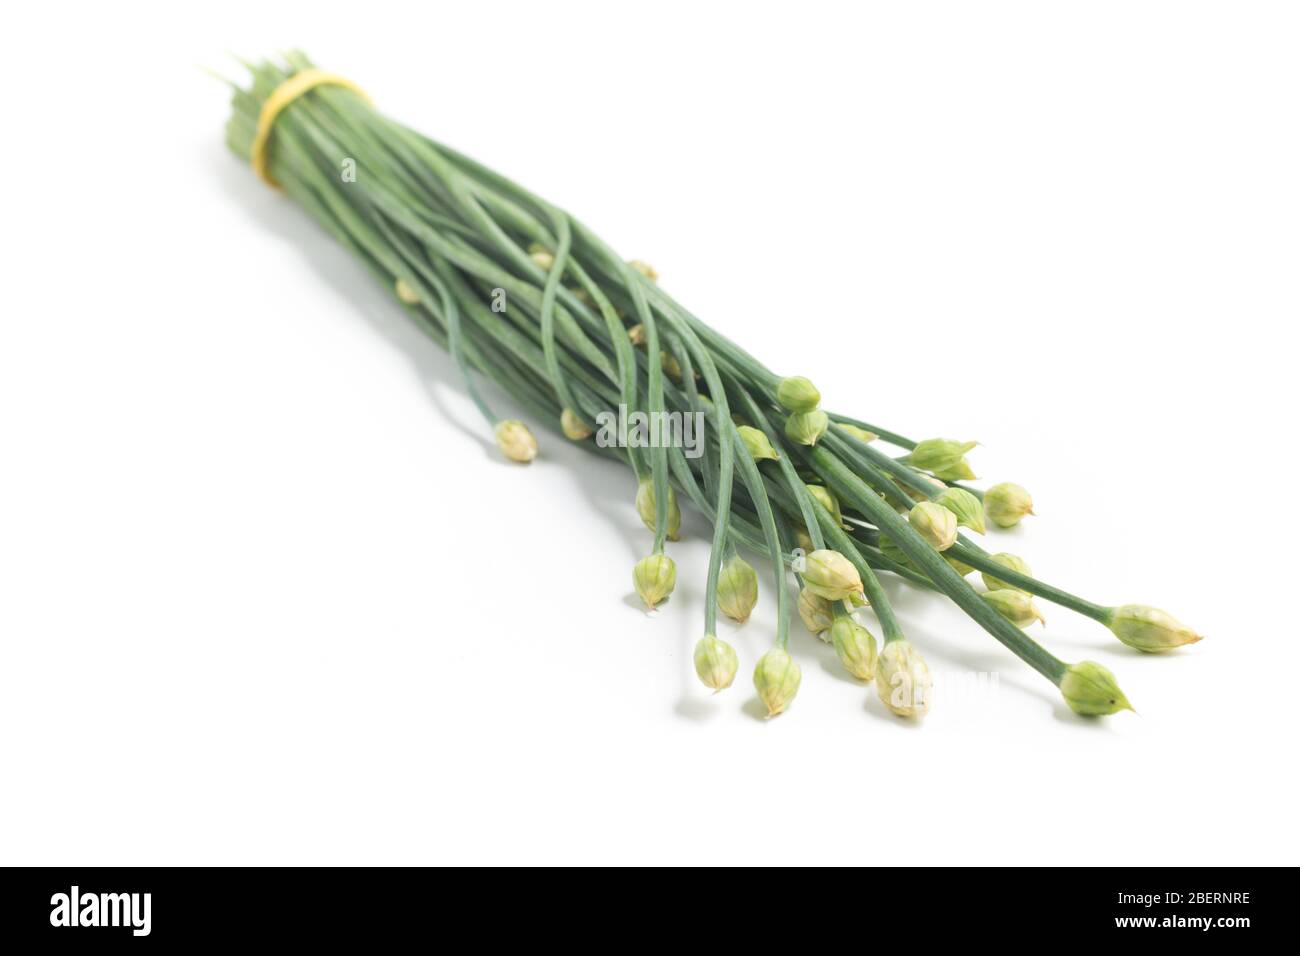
(284, 94)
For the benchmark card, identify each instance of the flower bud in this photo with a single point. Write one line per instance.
(830, 575)
(637, 334)
(672, 368)
(716, 663)
(816, 613)
(654, 577)
(1007, 561)
(861, 434)
(645, 269)
(802, 540)
(776, 678)
(943, 458)
(961, 567)
(855, 647)
(574, 428)
(968, 509)
(737, 589)
(1016, 606)
(1006, 504)
(1091, 690)
(544, 259)
(406, 293)
(515, 440)
(645, 507)
(804, 428)
(756, 443)
(935, 523)
(827, 501)
(1149, 629)
(797, 394)
(924, 479)
(903, 679)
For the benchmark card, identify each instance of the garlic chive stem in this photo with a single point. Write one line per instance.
(967, 553)
(892, 438)
(851, 488)
(871, 585)
(561, 258)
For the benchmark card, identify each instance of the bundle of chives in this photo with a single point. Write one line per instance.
(524, 295)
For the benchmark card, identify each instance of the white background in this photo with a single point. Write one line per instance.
(268, 595)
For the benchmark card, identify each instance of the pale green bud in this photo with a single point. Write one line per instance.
(968, 509)
(831, 575)
(1149, 629)
(1016, 606)
(859, 599)
(1007, 561)
(804, 428)
(961, 567)
(943, 458)
(672, 368)
(816, 613)
(855, 647)
(756, 443)
(935, 523)
(776, 678)
(827, 501)
(645, 269)
(737, 589)
(544, 259)
(1091, 690)
(516, 441)
(716, 663)
(405, 292)
(861, 434)
(903, 679)
(1006, 504)
(802, 540)
(645, 507)
(637, 335)
(654, 577)
(574, 428)
(797, 394)
(916, 495)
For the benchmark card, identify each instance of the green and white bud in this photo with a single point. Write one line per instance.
(756, 443)
(654, 577)
(943, 458)
(776, 678)
(804, 428)
(515, 440)
(903, 679)
(737, 589)
(1006, 504)
(645, 269)
(715, 663)
(406, 293)
(1149, 629)
(1091, 690)
(1016, 606)
(816, 613)
(802, 540)
(961, 567)
(916, 495)
(574, 428)
(855, 647)
(645, 507)
(831, 575)
(935, 523)
(797, 394)
(543, 258)
(968, 509)
(1007, 561)
(829, 502)
(861, 434)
